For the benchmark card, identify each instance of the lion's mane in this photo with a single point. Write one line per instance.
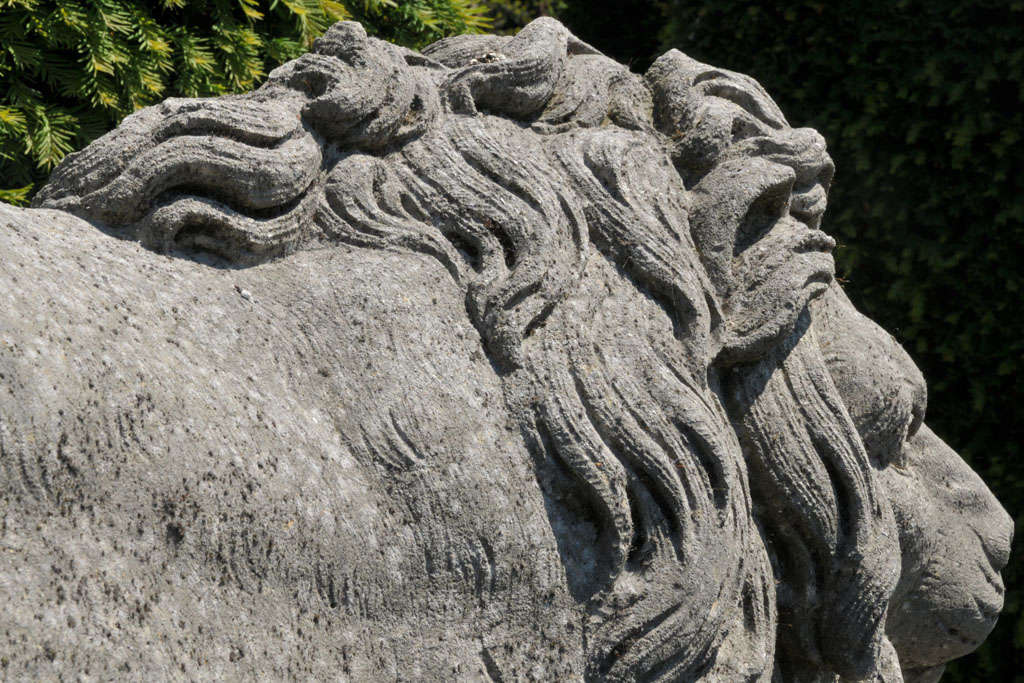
(533, 170)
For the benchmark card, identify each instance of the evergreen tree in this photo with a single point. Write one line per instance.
(72, 69)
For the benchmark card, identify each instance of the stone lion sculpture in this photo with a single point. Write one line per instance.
(492, 362)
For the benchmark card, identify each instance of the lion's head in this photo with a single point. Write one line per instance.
(643, 260)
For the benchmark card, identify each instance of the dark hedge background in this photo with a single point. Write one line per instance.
(922, 104)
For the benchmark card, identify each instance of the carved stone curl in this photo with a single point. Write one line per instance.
(492, 361)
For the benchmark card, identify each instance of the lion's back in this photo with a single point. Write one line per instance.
(264, 471)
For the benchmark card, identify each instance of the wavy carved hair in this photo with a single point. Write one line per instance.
(531, 169)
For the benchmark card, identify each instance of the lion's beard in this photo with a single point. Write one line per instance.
(832, 537)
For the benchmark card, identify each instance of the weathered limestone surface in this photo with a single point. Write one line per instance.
(494, 362)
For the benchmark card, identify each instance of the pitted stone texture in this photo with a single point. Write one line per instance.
(192, 484)
(492, 362)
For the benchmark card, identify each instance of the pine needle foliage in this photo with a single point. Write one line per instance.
(70, 70)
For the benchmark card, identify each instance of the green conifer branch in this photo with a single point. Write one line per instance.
(71, 69)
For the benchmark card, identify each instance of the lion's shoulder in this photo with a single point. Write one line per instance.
(321, 435)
